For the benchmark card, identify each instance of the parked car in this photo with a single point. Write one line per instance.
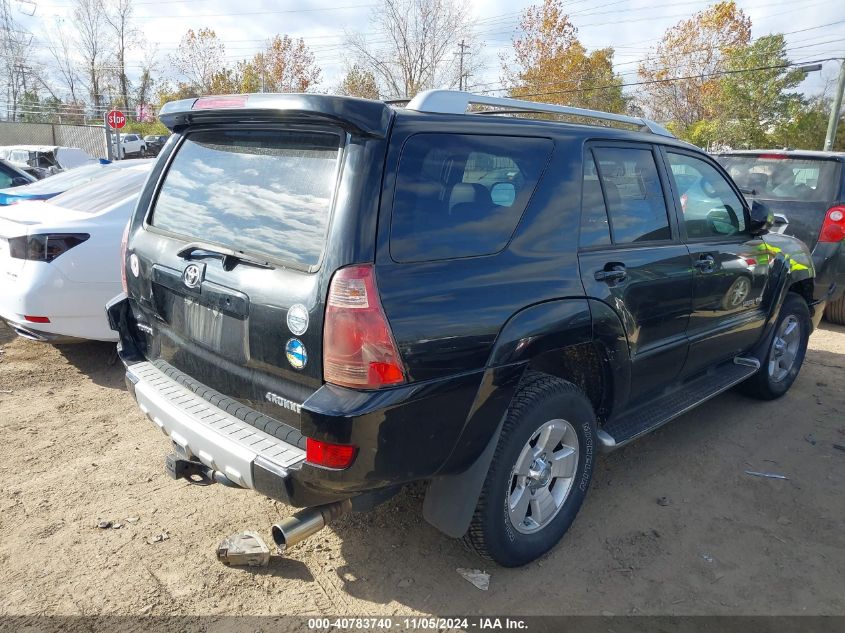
(132, 144)
(806, 192)
(47, 159)
(54, 185)
(58, 258)
(338, 300)
(154, 143)
(11, 176)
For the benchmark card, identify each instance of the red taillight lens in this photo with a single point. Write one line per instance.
(212, 103)
(833, 229)
(329, 455)
(44, 247)
(123, 243)
(358, 347)
(36, 319)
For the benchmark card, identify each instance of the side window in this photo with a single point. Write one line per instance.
(634, 196)
(5, 178)
(462, 195)
(709, 205)
(595, 230)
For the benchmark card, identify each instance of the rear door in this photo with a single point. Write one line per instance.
(233, 254)
(631, 258)
(730, 267)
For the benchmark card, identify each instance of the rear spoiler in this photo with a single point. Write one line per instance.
(361, 116)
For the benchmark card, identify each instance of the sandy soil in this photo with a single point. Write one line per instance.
(77, 451)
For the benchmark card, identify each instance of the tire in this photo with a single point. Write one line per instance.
(835, 311)
(544, 407)
(774, 378)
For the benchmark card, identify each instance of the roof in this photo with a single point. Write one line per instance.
(32, 148)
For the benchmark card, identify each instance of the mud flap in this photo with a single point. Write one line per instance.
(450, 501)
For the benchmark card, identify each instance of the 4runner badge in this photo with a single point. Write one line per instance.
(192, 276)
(295, 351)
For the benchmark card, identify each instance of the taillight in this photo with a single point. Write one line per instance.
(358, 347)
(45, 247)
(212, 103)
(123, 243)
(329, 455)
(833, 228)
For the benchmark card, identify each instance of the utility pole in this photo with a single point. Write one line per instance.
(833, 122)
(463, 46)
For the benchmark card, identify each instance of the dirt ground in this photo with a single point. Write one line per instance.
(76, 451)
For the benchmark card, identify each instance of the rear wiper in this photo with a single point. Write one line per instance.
(228, 256)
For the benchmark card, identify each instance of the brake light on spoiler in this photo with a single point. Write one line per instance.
(213, 103)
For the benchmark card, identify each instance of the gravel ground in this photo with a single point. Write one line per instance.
(722, 542)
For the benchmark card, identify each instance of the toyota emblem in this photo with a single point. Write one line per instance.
(192, 276)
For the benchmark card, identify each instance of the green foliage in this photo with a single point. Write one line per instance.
(136, 127)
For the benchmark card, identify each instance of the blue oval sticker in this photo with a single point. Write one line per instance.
(296, 354)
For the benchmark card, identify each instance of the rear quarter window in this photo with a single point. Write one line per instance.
(462, 195)
(780, 177)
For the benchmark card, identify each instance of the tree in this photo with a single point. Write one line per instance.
(550, 64)
(805, 125)
(683, 74)
(359, 82)
(199, 56)
(119, 18)
(93, 45)
(286, 65)
(420, 40)
(60, 46)
(752, 104)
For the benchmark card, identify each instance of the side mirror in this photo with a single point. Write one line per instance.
(762, 218)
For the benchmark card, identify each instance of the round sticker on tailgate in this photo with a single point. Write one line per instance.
(298, 319)
(295, 351)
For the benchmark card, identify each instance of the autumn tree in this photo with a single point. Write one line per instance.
(285, 65)
(420, 39)
(550, 64)
(118, 16)
(200, 55)
(683, 75)
(359, 82)
(93, 43)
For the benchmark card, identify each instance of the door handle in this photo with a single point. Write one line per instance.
(705, 264)
(611, 273)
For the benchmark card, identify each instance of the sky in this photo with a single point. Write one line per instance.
(631, 27)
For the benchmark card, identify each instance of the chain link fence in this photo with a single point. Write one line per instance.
(90, 138)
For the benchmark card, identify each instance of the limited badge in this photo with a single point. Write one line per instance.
(298, 319)
(295, 351)
(134, 264)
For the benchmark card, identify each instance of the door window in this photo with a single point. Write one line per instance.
(595, 229)
(709, 205)
(633, 195)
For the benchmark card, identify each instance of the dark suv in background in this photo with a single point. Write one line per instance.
(805, 190)
(328, 297)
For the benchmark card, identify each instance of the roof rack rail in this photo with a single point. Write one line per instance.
(457, 102)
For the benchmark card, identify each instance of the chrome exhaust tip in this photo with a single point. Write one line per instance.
(298, 527)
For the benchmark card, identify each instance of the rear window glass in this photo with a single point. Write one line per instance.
(460, 195)
(100, 193)
(775, 178)
(67, 179)
(258, 191)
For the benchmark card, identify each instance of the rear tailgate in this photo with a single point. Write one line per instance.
(232, 279)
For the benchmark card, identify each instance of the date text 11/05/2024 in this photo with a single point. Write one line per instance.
(417, 623)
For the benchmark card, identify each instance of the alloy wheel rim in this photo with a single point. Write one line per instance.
(542, 478)
(784, 349)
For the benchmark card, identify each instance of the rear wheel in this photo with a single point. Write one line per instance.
(835, 311)
(786, 352)
(539, 475)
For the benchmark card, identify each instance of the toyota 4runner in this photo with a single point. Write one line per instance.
(327, 298)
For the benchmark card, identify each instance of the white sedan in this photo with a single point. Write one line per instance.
(59, 259)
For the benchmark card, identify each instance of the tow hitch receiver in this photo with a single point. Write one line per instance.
(194, 472)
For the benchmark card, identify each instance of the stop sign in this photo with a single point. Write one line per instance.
(116, 119)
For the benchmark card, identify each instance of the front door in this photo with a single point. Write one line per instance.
(730, 267)
(631, 258)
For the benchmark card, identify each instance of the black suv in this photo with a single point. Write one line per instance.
(328, 298)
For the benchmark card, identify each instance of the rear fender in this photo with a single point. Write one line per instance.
(537, 331)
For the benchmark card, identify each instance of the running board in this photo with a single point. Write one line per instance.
(668, 407)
